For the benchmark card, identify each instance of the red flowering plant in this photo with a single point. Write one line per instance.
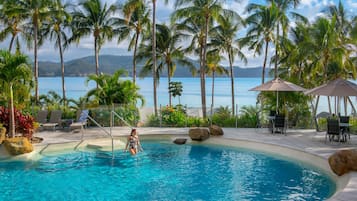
(24, 124)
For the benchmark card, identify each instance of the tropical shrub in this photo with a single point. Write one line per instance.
(175, 117)
(248, 117)
(223, 117)
(25, 124)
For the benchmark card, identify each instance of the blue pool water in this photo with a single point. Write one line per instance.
(164, 172)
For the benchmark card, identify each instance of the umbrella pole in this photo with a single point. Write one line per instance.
(329, 104)
(277, 102)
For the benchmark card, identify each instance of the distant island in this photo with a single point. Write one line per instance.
(111, 63)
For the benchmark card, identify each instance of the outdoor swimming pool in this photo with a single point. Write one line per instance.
(165, 171)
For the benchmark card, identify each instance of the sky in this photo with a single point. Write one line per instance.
(309, 8)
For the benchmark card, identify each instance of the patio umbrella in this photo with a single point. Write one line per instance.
(338, 87)
(277, 85)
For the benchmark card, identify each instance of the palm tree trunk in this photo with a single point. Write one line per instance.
(265, 60)
(36, 61)
(232, 80)
(11, 42)
(276, 52)
(213, 76)
(168, 83)
(12, 113)
(203, 79)
(96, 55)
(134, 57)
(154, 53)
(62, 69)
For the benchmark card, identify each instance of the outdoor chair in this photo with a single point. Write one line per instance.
(346, 129)
(41, 117)
(279, 124)
(55, 120)
(334, 130)
(81, 121)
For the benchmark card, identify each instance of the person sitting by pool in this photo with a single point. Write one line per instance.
(133, 143)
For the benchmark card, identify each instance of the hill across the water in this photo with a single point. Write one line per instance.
(111, 63)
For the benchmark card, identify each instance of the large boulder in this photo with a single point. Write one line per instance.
(343, 161)
(18, 145)
(198, 134)
(215, 130)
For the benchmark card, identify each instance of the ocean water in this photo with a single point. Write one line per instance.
(191, 95)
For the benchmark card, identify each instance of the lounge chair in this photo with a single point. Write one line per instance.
(279, 124)
(55, 120)
(81, 122)
(41, 117)
(334, 130)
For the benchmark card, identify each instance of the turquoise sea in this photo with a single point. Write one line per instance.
(191, 96)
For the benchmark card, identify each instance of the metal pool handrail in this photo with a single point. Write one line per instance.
(121, 118)
(105, 131)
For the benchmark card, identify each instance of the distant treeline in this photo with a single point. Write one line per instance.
(110, 63)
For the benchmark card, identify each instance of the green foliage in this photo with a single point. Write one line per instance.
(248, 117)
(112, 90)
(173, 117)
(223, 117)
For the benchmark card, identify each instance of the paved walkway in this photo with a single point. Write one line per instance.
(308, 141)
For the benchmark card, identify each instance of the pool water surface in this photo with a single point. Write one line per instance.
(164, 171)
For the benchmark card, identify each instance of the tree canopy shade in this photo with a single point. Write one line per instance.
(14, 70)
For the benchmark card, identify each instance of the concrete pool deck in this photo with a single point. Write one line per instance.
(306, 141)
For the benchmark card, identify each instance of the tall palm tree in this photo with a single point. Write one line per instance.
(223, 38)
(153, 33)
(282, 22)
(214, 67)
(262, 22)
(13, 19)
(94, 18)
(57, 29)
(36, 11)
(168, 54)
(205, 12)
(136, 20)
(13, 69)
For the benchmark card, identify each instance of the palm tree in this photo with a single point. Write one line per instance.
(223, 39)
(214, 67)
(168, 54)
(260, 33)
(283, 22)
(203, 12)
(36, 11)
(13, 18)
(154, 52)
(136, 19)
(57, 29)
(93, 18)
(14, 69)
